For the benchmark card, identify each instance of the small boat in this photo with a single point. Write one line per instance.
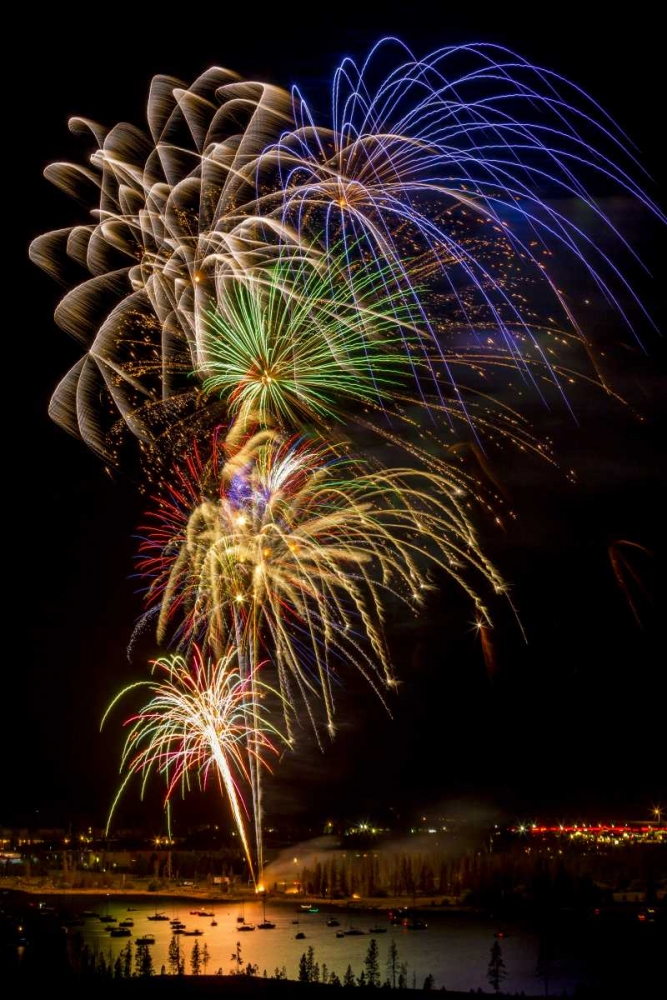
(131, 909)
(340, 934)
(295, 921)
(127, 923)
(145, 939)
(353, 932)
(120, 932)
(332, 922)
(179, 930)
(308, 908)
(300, 936)
(177, 923)
(159, 916)
(204, 913)
(214, 923)
(195, 933)
(265, 925)
(377, 930)
(246, 927)
(108, 920)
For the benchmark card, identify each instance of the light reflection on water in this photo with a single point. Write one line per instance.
(455, 948)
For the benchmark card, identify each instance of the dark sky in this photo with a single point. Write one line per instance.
(571, 722)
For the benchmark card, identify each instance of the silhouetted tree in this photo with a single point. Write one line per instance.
(496, 972)
(126, 957)
(392, 964)
(236, 957)
(372, 964)
(348, 978)
(195, 959)
(143, 961)
(176, 964)
(429, 983)
(205, 957)
(313, 967)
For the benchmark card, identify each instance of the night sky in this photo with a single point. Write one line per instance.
(572, 722)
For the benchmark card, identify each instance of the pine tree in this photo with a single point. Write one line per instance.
(143, 961)
(403, 976)
(205, 957)
(429, 983)
(372, 964)
(312, 966)
(361, 981)
(126, 956)
(497, 971)
(348, 978)
(118, 969)
(174, 956)
(334, 980)
(392, 964)
(195, 959)
(236, 957)
(303, 969)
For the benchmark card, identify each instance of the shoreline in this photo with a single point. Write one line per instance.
(208, 895)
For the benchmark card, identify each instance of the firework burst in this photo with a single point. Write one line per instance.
(460, 177)
(203, 718)
(293, 551)
(300, 338)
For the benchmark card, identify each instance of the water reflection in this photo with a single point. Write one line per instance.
(453, 947)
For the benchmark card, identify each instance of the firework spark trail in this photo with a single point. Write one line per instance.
(197, 721)
(419, 170)
(474, 127)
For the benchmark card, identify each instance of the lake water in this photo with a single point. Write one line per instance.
(455, 948)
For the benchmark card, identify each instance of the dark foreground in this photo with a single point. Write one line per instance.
(243, 987)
